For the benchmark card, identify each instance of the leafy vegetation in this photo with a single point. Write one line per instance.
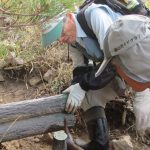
(3, 51)
(19, 21)
(20, 39)
(31, 11)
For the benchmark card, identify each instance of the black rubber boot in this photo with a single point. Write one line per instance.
(97, 127)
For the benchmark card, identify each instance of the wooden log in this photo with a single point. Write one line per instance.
(34, 126)
(32, 108)
(59, 140)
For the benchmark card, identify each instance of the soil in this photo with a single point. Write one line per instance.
(15, 90)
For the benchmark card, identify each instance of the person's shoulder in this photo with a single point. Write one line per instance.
(95, 8)
(98, 12)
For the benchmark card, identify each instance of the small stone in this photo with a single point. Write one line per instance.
(48, 75)
(124, 143)
(34, 81)
(10, 57)
(18, 61)
(2, 63)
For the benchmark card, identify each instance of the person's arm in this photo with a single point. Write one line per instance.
(84, 80)
(75, 93)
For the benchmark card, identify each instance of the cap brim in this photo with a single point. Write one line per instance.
(102, 67)
(107, 57)
(51, 33)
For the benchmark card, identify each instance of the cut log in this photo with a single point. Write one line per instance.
(59, 141)
(32, 117)
(32, 108)
(34, 126)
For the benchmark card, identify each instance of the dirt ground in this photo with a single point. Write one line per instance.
(15, 90)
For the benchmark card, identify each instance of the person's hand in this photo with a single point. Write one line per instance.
(75, 98)
(141, 105)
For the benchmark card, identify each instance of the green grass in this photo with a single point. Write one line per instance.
(3, 51)
(28, 38)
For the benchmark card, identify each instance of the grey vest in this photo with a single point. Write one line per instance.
(92, 48)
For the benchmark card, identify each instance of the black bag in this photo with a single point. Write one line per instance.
(115, 5)
(85, 76)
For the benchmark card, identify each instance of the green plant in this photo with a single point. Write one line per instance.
(147, 4)
(3, 51)
(18, 12)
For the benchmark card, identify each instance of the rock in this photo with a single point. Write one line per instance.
(34, 81)
(48, 75)
(41, 87)
(2, 63)
(124, 143)
(18, 61)
(10, 58)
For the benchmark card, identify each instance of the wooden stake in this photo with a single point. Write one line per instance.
(59, 142)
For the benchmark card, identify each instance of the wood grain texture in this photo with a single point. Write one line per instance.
(34, 126)
(32, 108)
(59, 140)
(32, 117)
